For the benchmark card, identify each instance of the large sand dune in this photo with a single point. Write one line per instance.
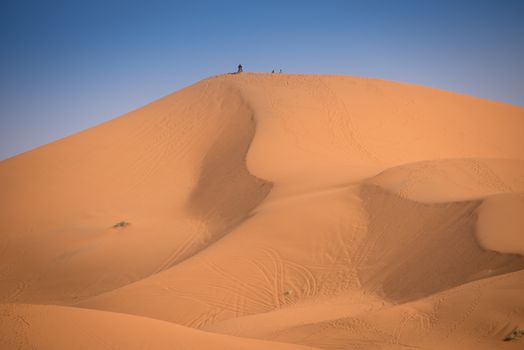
(271, 211)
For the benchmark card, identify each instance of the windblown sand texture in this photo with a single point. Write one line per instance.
(271, 211)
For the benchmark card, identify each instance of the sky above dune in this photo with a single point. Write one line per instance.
(69, 65)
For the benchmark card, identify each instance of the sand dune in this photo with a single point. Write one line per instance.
(58, 327)
(300, 210)
(472, 316)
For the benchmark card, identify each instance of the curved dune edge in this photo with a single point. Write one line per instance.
(58, 327)
(254, 196)
(174, 169)
(452, 180)
(498, 183)
(412, 250)
(500, 225)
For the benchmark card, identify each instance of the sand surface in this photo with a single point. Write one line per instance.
(271, 211)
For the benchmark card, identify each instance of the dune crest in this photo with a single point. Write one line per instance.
(315, 211)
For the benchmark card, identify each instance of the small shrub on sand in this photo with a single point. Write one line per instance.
(287, 292)
(121, 224)
(515, 334)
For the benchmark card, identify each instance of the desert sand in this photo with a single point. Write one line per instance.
(271, 211)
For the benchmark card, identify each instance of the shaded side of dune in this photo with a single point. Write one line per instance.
(226, 192)
(413, 249)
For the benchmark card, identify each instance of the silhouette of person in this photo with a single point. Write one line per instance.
(239, 69)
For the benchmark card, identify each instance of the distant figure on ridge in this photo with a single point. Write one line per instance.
(239, 69)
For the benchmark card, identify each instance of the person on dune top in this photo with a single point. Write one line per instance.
(239, 69)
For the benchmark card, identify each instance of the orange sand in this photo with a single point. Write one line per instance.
(271, 211)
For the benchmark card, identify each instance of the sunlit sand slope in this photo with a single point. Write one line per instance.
(57, 327)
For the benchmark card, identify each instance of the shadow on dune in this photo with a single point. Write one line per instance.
(226, 193)
(413, 249)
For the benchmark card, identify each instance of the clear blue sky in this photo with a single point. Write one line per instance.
(68, 65)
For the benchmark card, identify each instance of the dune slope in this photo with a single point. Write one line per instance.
(325, 211)
(58, 327)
